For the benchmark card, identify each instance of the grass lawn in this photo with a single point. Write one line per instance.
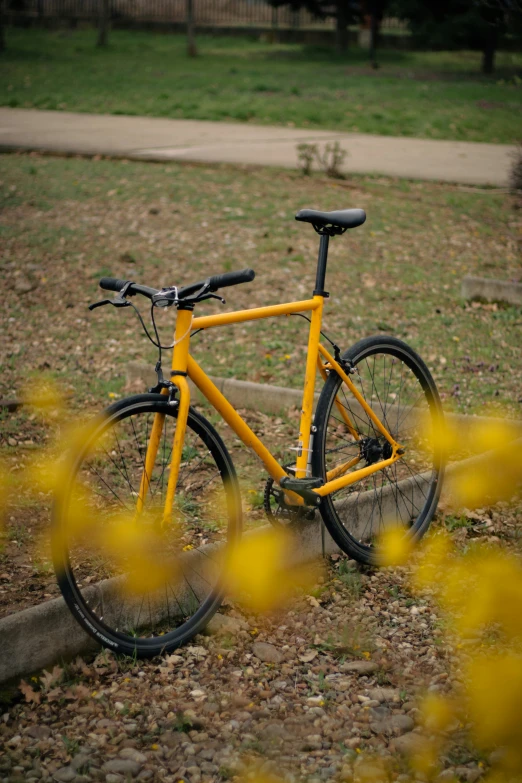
(432, 95)
(68, 222)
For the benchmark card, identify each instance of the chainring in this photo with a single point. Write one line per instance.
(279, 513)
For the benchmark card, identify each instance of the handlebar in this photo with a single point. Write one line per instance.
(213, 283)
(114, 284)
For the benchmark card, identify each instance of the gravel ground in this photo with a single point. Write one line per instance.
(306, 693)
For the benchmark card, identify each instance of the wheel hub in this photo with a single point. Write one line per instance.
(373, 450)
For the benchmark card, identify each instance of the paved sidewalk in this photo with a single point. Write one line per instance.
(148, 138)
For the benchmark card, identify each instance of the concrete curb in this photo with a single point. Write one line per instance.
(491, 290)
(47, 634)
(268, 398)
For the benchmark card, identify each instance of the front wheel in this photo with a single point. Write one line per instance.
(139, 582)
(398, 387)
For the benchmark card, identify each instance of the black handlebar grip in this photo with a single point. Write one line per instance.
(231, 278)
(112, 283)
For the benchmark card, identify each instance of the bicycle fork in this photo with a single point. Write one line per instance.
(178, 379)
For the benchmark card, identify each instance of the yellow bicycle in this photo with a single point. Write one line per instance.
(153, 486)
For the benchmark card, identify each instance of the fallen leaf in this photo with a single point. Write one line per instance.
(29, 693)
(51, 678)
(55, 694)
(308, 656)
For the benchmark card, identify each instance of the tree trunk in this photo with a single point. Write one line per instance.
(2, 27)
(191, 39)
(341, 28)
(489, 50)
(374, 37)
(103, 23)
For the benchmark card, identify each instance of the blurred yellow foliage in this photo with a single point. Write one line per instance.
(477, 480)
(258, 571)
(480, 593)
(44, 397)
(395, 546)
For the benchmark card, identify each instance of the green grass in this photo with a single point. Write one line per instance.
(432, 95)
(68, 221)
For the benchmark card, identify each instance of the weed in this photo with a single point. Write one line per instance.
(72, 746)
(306, 154)
(182, 723)
(382, 677)
(351, 578)
(332, 159)
(515, 175)
(454, 522)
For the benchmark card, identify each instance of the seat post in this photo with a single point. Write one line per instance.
(321, 266)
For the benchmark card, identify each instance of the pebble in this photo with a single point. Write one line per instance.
(122, 767)
(394, 726)
(39, 732)
(267, 653)
(222, 625)
(133, 754)
(359, 667)
(383, 694)
(65, 774)
(409, 743)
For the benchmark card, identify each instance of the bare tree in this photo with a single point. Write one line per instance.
(2, 28)
(191, 38)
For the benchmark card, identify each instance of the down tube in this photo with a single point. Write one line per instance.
(234, 420)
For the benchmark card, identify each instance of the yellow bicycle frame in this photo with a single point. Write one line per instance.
(183, 366)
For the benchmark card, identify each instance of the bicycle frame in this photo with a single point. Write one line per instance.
(183, 366)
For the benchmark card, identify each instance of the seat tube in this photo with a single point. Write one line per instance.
(303, 449)
(179, 379)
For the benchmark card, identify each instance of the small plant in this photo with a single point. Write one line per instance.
(71, 745)
(183, 723)
(515, 175)
(330, 159)
(306, 154)
(351, 578)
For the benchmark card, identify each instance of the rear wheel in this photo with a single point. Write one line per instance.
(397, 385)
(137, 583)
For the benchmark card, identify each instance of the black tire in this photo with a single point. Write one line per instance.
(139, 586)
(398, 386)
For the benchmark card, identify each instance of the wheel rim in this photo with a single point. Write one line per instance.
(143, 580)
(402, 495)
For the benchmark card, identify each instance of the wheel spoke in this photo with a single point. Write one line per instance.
(149, 578)
(397, 388)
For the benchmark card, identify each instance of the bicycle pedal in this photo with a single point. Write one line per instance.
(304, 488)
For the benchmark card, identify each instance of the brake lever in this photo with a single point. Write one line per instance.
(118, 301)
(212, 296)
